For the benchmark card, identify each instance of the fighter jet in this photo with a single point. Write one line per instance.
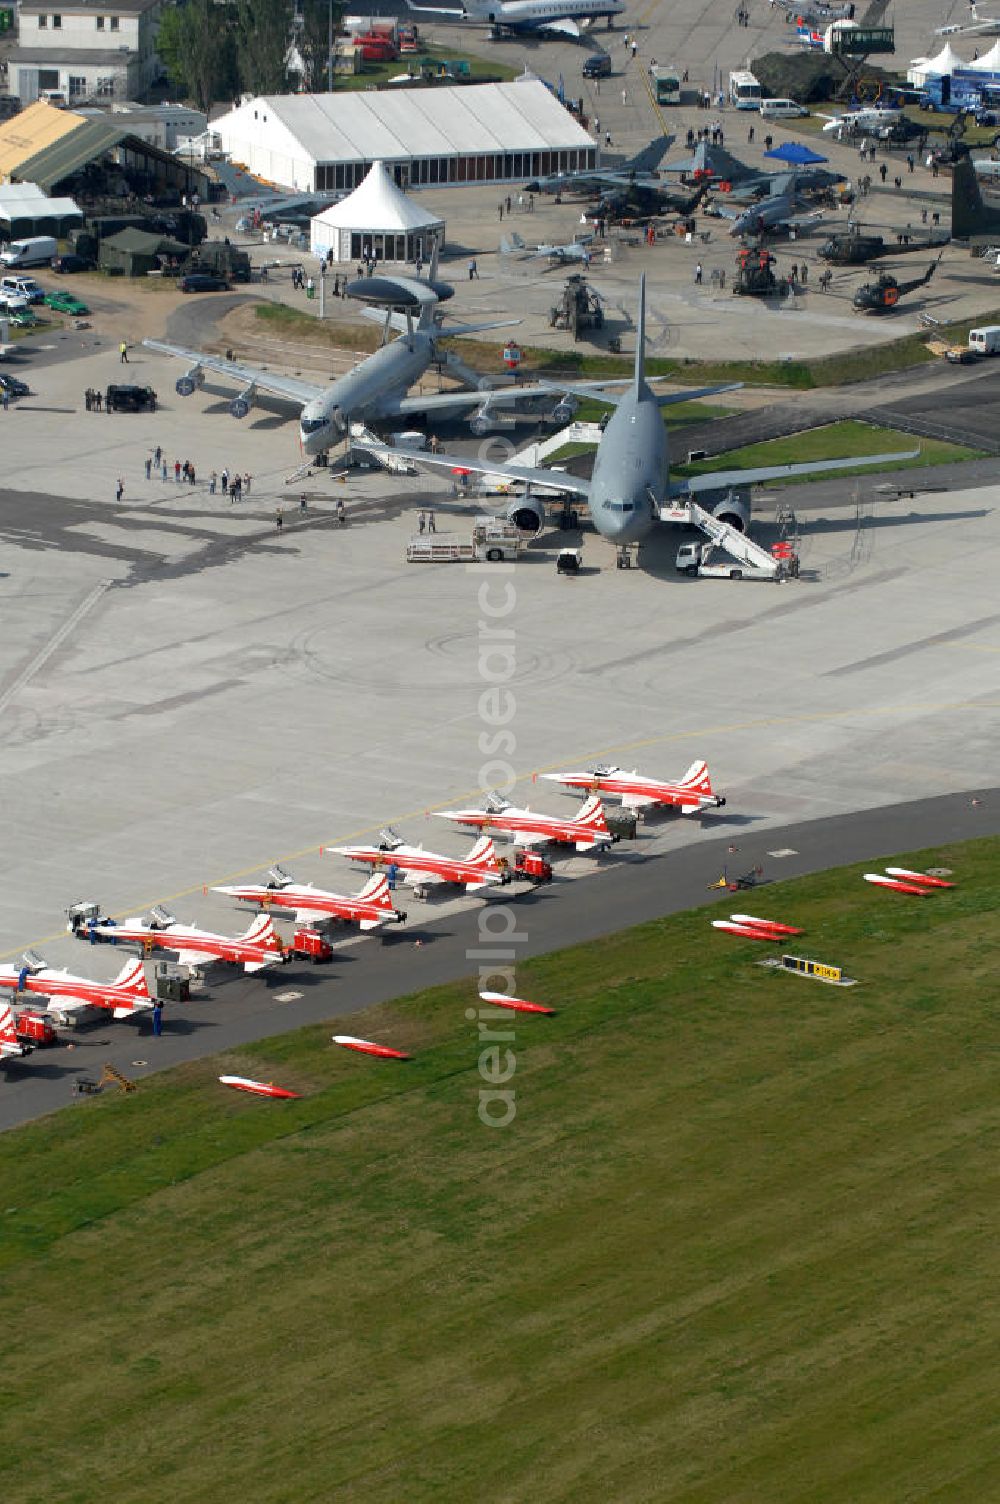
(557, 255)
(587, 830)
(260, 946)
(68, 994)
(519, 17)
(587, 180)
(689, 794)
(630, 487)
(779, 211)
(369, 908)
(423, 869)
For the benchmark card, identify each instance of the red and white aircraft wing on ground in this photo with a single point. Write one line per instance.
(370, 908)
(586, 830)
(422, 868)
(689, 794)
(258, 947)
(67, 994)
(11, 1047)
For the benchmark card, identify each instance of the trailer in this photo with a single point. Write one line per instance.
(492, 539)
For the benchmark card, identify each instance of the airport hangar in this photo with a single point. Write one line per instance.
(473, 133)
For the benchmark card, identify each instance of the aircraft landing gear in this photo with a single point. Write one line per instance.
(569, 518)
(627, 556)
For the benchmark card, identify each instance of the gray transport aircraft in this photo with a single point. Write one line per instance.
(375, 391)
(560, 17)
(630, 487)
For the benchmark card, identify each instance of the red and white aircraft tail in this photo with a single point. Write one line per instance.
(591, 817)
(131, 981)
(697, 782)
(376, 892)
(10, 1045)
(263, 933)
(484, 855)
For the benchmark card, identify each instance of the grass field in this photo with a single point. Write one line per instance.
(738, 1244)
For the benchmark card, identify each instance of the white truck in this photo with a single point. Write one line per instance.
(985, 341)
(492, 539)
(741, 558)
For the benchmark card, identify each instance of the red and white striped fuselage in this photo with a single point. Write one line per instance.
(586, 830)
(690, 794)
(368, 909)
(260, 946)
(66, 993)
(477, 870)
(11, 1047)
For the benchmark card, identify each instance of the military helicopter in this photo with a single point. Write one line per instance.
(883, 295)
(856, 248)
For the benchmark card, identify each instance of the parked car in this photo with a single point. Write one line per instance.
(65, 264)
(23, 287)
(13, 386)
(130, 399)
(65, 302)
(203, 282)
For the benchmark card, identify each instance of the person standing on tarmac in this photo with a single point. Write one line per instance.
(123, 353)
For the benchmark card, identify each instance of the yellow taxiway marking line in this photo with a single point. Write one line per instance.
(618, 750)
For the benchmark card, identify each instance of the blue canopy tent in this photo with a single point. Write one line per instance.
(796, 155)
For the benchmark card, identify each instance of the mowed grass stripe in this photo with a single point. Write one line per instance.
(738, 1244)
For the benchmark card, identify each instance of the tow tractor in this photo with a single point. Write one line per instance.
(34, 1029)
(527, 864)
(749, 879)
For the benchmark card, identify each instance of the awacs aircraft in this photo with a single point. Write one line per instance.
(11, 1047)
(587, 830)
(689, 794)
(423, 869)
(558, 17)
(557, 255)
(630, 487)
(67, 994)
(376, 390)
(369, 908)
(258, 947)
(971, 219)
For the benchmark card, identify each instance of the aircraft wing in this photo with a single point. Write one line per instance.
(195, 958)
(556, 480)
(718, 479)
(67, 1003)
(282, 386)
(529, 838)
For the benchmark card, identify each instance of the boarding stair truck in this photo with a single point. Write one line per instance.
(492, 540)
(746, 559)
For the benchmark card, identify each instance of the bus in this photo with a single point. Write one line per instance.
(744, 91)
(666, 84)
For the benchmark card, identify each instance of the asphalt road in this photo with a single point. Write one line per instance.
(627, 889)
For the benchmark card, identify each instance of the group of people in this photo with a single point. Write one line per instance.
(301, 282)
(93, 400)
(426, 522)
(713, 135)
(234, 484)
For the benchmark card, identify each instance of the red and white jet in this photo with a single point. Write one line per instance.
(369, 908)
(67, 994)
(689, 794)
(424, 868)
(11, 1047)
(258, 947)
(586, 830)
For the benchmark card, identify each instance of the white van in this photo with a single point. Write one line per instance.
(23, 287)
(782, 109)
(985, 341)
(37, 251)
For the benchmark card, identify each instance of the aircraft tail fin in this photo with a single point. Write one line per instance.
(591, 814)
(132, 979)
(262, 932)
(483, 854)
(376, 891)
(640, 336)
(9, 1042)
(969, 215)
(696, 779)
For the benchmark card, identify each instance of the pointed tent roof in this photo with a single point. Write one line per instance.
(989, 62)
(944, 63)
(378, 204)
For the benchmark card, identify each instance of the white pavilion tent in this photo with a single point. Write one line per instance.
(376, 221)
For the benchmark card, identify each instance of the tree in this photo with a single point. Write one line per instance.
(263, 34)
(196, 44)
(314, 37)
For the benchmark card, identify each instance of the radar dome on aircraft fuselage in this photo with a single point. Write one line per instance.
(399, 292)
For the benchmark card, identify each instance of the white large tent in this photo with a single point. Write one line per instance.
(989, 62)
(376, 221)
(942, 65)
(468, 133)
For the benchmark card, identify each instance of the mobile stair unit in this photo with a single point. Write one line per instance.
(744, 559)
